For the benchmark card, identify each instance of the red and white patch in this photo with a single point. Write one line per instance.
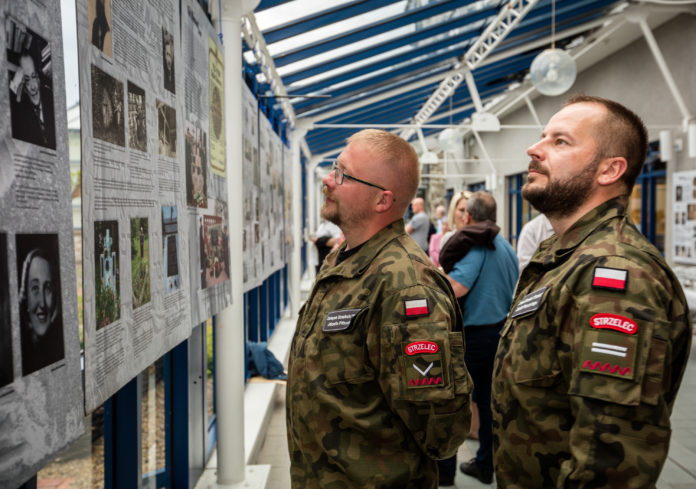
(610, 278)
(416, 307)
(421, 347)
(615, 322)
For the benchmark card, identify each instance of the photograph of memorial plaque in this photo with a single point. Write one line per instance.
(107, 108)
(140, 261)
(6, 369)
(106, 271)
(170, 243)
(40, 311)
(30, 78)
(166, 127)
(196, 166)
(137, 121)
(99, 21)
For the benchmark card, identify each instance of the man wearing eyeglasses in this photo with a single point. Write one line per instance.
(377, 386)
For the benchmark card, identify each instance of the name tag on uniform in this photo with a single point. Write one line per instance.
(339, 320)
(530, 303)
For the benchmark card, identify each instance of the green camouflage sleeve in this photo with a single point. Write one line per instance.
(418, 344)
(625, 325)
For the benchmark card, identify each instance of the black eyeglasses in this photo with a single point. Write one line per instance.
(339, 175)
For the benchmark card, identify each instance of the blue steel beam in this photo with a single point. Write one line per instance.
(405, 40)
(266, 4)
(322, 19)
(365, 32)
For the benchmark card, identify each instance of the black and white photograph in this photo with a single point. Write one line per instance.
(166, 127)
(6, 369)
(168, 60)
(39, 297)
(107, 108)
(137, 121)
(30, 78)
(196, 166)
(99, 18)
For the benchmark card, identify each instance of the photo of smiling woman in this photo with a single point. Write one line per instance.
(40, 318)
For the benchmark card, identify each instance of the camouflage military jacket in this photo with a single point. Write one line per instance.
(377, 387)
(590, 360)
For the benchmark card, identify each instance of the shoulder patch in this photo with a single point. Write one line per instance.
(615, 322)
(416, 307)
(607, 353)
(609, 278)
(421, 347)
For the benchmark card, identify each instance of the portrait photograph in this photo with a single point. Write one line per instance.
(168, 60)
(107, 108)
(166, 128)
(140, 261)
(196, 152)
(99, 21)
(106, 273)
(6, 368)
(30, 79)
(137, 121)
(170, 252)
(40, 311)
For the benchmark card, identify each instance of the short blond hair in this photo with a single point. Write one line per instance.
(398, 156)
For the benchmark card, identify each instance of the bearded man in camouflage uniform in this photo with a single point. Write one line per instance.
(597, 339)
(377, 386)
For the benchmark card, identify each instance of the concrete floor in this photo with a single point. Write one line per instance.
(679, 471)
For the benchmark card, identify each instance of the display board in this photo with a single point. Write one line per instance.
(267, 201)
(154, 209)
(684, 217)
(40, 381)
(204, 157)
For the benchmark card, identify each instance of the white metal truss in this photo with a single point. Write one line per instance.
(507, 19)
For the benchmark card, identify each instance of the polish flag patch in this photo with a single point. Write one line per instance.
(416, 307)
(609, 278)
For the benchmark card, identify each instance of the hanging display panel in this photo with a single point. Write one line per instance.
(251, 237)
(40, 380)
(204, 175)
(684, 217)
(136, 286)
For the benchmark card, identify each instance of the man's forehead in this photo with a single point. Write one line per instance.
(575, 118)
(26, 61)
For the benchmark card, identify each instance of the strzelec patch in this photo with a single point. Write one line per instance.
(423, 370)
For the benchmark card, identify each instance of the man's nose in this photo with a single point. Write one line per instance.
(535, 151)
(328, 179)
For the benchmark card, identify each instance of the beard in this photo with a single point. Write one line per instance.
(343, 217)
(560, 198)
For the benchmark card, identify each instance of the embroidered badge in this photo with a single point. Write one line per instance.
(529, 303)
(615, 322)
(421, 347)
(425, 371)
(608, 353)
(416, 307)
(339, 320)
(609, 278)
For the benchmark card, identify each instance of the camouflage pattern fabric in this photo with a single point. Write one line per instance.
(590, 360)
(377, 386)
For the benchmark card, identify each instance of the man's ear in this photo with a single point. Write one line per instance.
(611, 170)
(385, 202)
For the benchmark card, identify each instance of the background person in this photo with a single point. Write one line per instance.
(482, 269)
(592, 355)
(532, 233)
(419, 225)
(377, 387)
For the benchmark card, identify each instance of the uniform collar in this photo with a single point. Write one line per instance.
(357, 263)
(559, 247)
